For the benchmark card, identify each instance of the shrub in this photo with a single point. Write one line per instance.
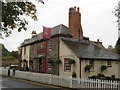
(71, 61)
(58, 61)
(50, 61)
(74, 74)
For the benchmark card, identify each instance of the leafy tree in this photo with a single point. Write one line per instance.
(15, 54)
(11, 16)
(4, 51)
(117, 46)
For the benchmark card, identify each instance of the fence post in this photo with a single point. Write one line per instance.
(70, 82)
(50, 78)
(118, 82)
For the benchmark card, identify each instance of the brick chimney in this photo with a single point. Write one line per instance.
(75, 27)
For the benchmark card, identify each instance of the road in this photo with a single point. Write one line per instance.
(16, 84)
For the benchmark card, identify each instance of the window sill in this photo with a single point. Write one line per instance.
(92, 70)
(109, 66)
(67, 70)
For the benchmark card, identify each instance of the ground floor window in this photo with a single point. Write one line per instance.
(49, 66)
(67, 66)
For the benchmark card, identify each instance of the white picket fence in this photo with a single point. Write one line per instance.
(95, 83)
(63, 81)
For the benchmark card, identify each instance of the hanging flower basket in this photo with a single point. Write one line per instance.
(58, 61)
(103, 67)
(51, 62)
(87, 68)
(71, 61)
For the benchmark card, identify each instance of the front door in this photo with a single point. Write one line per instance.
(40, 65)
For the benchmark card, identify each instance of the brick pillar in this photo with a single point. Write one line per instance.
(75, 27)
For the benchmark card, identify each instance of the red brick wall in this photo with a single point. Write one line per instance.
(75, 23)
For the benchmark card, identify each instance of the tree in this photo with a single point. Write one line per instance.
(15, 54)
(4, 51)
(117, 46)
(11, 16)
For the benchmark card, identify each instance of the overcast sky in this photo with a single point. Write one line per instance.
(98, 21)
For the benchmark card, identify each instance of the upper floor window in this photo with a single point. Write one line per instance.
(50, 45)
(109, 64)
(49, 66)
(67, 66)
(91, 62)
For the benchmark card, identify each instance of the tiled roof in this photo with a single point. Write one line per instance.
(88, 51)
(60, 29)
(34, 39)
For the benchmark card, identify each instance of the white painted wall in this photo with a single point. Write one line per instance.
(97, 68)
(119, 69)
(65, 52)
(26, 55)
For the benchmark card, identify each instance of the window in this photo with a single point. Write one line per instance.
(49, 66)
(91, 62)
(109, 64)
(67, 66)
(50, 45)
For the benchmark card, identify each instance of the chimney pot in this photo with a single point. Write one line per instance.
(78, 9)
(71, 9)
(33, 33)
(98, 40)
(75, 8)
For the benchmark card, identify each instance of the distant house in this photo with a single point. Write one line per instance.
(67, 45)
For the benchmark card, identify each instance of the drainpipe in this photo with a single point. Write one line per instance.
(80, 61)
